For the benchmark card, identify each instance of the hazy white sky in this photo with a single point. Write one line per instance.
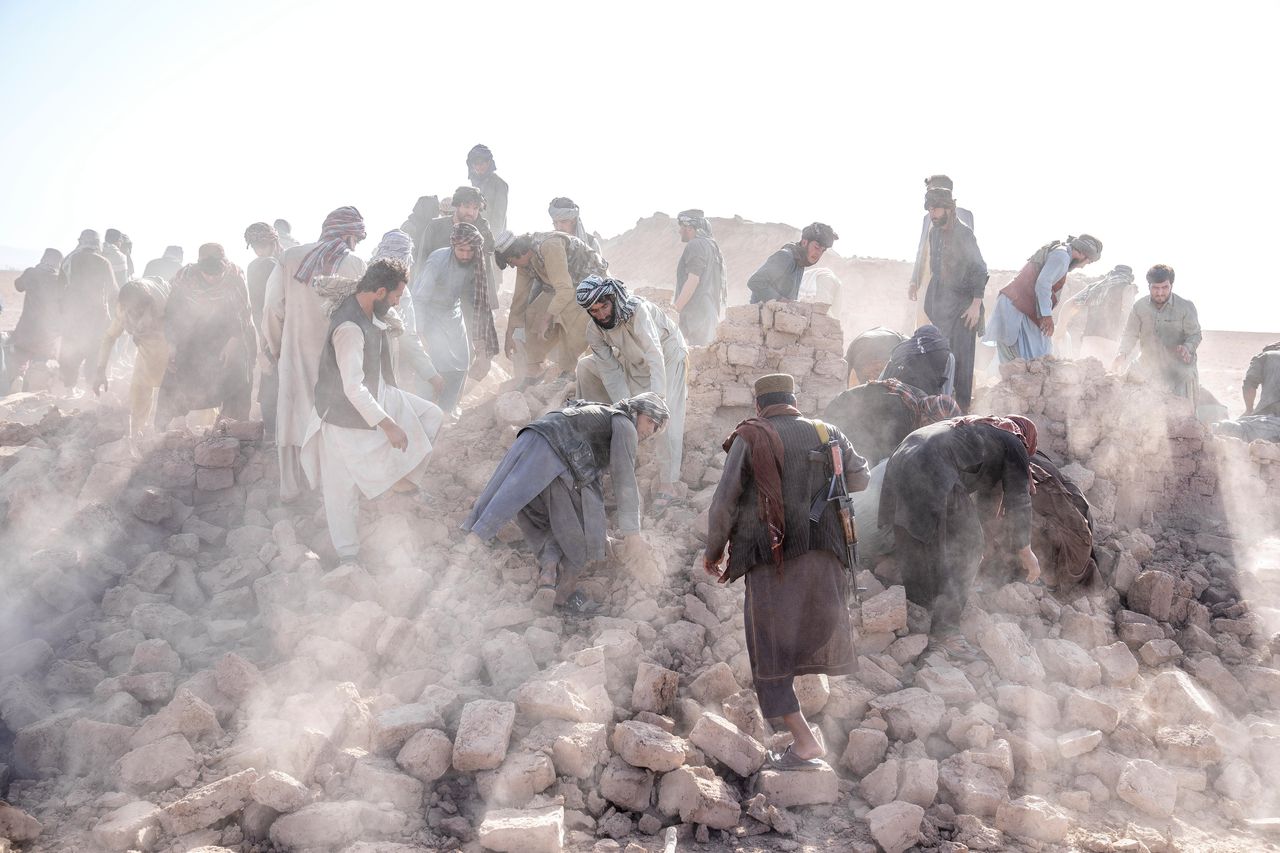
(1149, 125)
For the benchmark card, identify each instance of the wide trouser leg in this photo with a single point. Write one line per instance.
(341, 506)
(292, 479)
(963, 344)
(777, 697)
(671, 449)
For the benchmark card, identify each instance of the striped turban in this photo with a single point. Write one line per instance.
(595, 289)
(260, 232)
(396, 245)
(328, 254)
(562, 208)
(484, 337)
(695, 219)
(647, 403)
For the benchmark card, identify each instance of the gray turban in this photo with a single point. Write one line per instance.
(647, 403)
(1090, 247)
(562, 212)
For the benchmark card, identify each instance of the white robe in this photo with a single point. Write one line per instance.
(348, 462)
(295, 330)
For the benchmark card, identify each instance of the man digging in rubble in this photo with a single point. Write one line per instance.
(941, 483)
(1095, 315)
(635, 347)
(1022, 323)
(1166, 330)
(213, 343)
(140, 311)
(925, 362)
(869, 353)
(544, 316)
(779, 276)
(551, 483)
(365, 435)
(701, 281)
(797, 570)
(957, 277)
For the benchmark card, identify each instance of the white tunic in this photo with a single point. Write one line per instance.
(365, 456)
(295, 331)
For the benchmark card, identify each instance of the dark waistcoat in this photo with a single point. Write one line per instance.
(581, 436)
(331, 401)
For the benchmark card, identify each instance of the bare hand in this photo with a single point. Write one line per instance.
(913, 291)
(395, 435)
(480, 368)
(544, 327)
(1030, 564)
(712, 566)
(509, 345)
(437, 384)
(970, 316)
(1046, 326)
(1184, 354)
(99, 387)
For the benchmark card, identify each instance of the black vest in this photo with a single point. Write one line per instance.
(581, 436)
(331, 401)
(806, 474)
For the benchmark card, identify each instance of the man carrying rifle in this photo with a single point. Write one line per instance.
(777, 479)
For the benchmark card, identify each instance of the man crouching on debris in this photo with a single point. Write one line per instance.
(551, 483)
(366, 435)
(796, 568)
(942, 482)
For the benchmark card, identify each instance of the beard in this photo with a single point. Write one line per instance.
(380, 308)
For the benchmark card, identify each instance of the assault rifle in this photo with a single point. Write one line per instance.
(838, 491)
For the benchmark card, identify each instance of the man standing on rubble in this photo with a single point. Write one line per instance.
(551, 482)
(545, 317)
(89, 289)
(296, 328)
(365, 435)
(483, 175)
(635, 347)
(469, 206)
(1166, 330)
(957, 277)
(797, 571)
(701, 281)
(264, 240)
(779, 276)
(451, 308)
(919, 272)
(1022, 324)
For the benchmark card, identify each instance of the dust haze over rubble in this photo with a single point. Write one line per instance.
(178, 668)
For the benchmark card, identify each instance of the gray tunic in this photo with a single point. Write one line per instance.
(441, 288)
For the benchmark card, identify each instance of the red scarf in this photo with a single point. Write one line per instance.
(766, 467)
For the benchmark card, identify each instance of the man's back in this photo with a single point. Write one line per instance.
(778, 277)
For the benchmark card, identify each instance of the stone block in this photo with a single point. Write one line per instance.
(484, 731)
(655, 688)
(1119, 666)
(92, 747)
(123, 828)
(886, 611)
(880, 786)
(1176, 698)
(577, 748)
(865, 750)
(155, 766)
(523, 830)
(697, 795)
(426, 755)
(1081, 710)
(553, 700)
(911, 713)
(209, 804)
(1011, 653)
(215, 479)
(1239, 782)
(220, 452)
(186, 715)
(895, 826)
(714, 684)
(279, 792)
(1034, 818)
(644, 745)
(379, 780)
(972, 788)
(1065, 661)
(788, 788)
(1035, 706)
(521, 776)
(1148, 787)
(1078, 742)
(394, 726)
(812, 691)
(629, 788)
(726, 743)
(1152, 594)
(330, 825)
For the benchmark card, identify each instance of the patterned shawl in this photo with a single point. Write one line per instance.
(333, 247)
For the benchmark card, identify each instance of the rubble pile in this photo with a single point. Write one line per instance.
(184, 666)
